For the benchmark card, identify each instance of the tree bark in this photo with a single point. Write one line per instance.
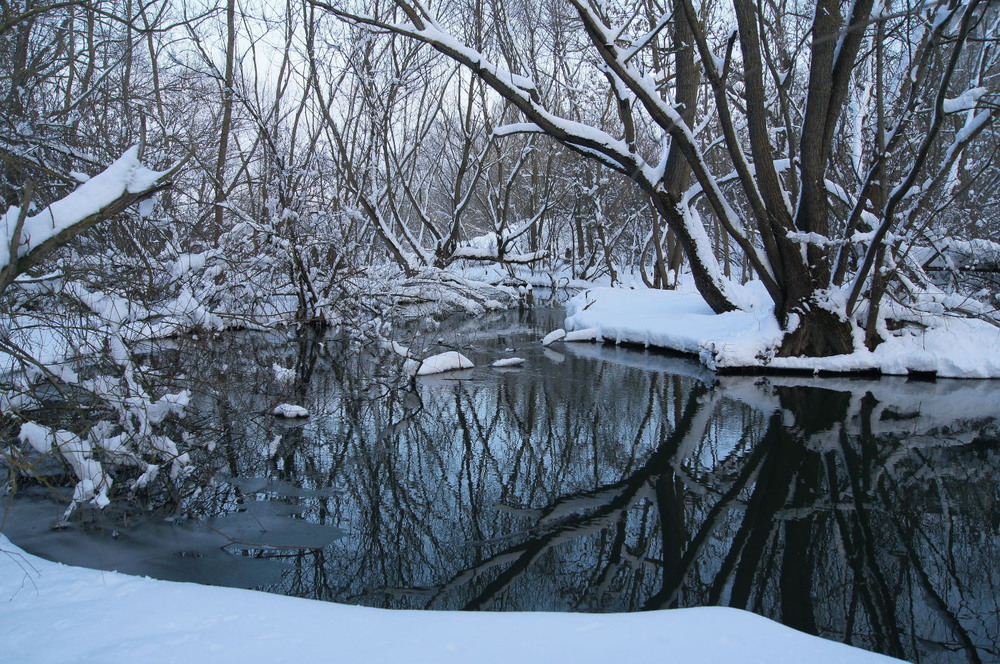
(225, 127)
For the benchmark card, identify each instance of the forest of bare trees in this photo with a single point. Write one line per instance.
(818, 142)
(825, 150)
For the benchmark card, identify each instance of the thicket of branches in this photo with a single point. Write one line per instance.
(322, 139)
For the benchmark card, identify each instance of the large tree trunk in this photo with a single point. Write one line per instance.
(814, 329)
(819, 333)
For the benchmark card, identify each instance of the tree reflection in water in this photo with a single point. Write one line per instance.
(863, 511)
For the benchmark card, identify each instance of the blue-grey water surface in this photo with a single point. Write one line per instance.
(592, 478)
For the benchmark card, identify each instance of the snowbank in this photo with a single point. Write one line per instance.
(949, 347)
(55, 613)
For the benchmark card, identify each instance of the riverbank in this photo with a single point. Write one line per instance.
(57, 613)
(745, 340)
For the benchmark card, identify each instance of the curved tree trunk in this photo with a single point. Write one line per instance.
(704, 272)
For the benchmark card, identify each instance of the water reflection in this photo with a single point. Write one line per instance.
(591, 479)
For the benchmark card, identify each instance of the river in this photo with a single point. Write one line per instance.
(591, 478)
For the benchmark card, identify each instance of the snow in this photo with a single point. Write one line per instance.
(450, 360)
(290, 411)
(678, 320)
(553, 336)
(399, 349)
(126, 175)
(586, 334)
(508, 362)
(56, 613)
(965, 101)
(186, 263)
(950, 346)
(94, 483)
(517, 128)
(282, 374)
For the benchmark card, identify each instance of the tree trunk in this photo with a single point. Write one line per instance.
(705, 280)
(225, 127)
(818, 332)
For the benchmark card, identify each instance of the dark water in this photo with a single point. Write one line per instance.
(591, 479)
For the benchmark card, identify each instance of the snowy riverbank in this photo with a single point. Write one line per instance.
(949, 347)
(57, 613)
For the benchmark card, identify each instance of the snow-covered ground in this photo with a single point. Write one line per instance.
(56, 613)
(950, 347)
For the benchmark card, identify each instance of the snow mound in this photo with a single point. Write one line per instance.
(587, 334)
(508, 362)
(677, 320)
(553, 336)
(448, 361)
(289, 411)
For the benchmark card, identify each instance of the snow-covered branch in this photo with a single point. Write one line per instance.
(28, 238)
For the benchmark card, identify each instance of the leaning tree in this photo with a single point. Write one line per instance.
(821, 138)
